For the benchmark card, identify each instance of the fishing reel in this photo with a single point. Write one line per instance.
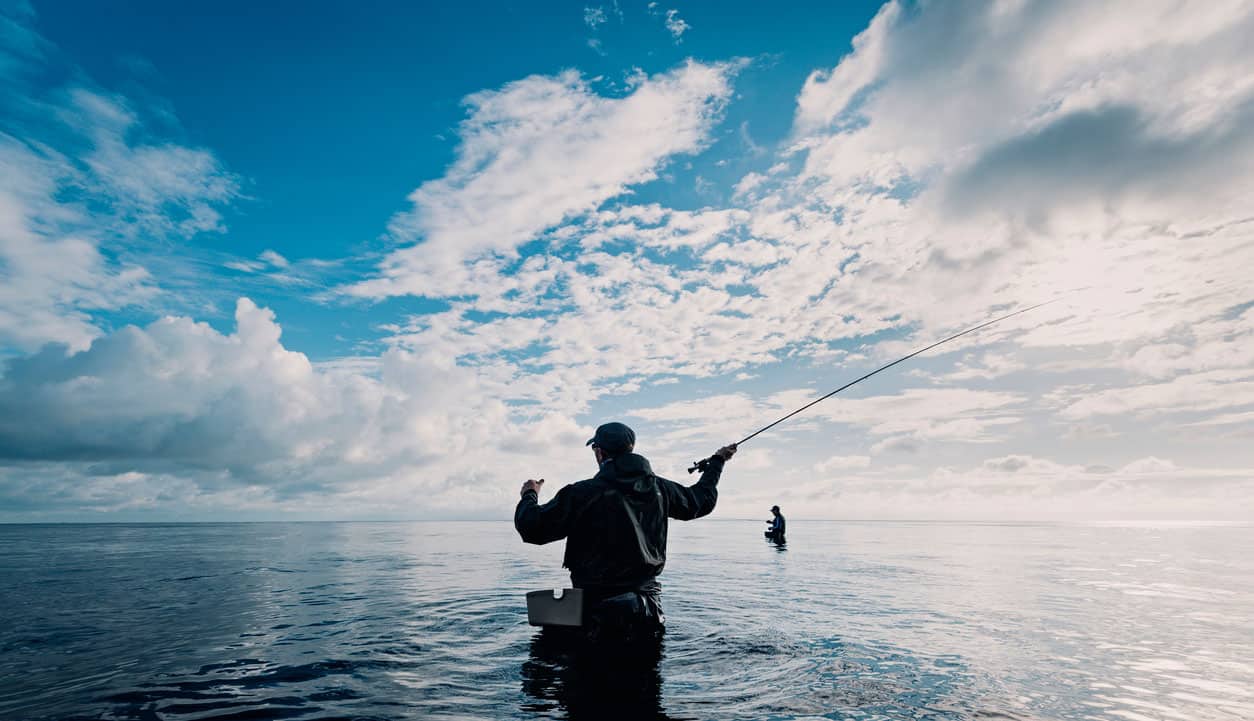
(704, 465)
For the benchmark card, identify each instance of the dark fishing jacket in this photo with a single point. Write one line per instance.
(778, 524)
(615, 523)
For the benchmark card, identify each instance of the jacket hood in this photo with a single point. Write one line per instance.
(630, 470)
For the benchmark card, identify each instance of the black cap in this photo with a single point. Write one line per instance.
(774, 508)
(613, 438)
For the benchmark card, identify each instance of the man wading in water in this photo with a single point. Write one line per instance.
(776, 531)
(615, 529)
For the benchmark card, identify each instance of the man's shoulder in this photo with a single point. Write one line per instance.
(581, 487)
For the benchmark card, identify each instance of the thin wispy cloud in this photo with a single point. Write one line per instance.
(66, 220)
(593, 17)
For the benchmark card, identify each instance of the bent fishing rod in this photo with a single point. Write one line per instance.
(702, 465)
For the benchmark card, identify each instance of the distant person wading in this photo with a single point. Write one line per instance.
(615, 529)
(778, 526)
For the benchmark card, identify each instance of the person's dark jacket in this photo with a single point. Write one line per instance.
(615, 522)
(778, 525)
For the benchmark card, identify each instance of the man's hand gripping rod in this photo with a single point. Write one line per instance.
(702, 465)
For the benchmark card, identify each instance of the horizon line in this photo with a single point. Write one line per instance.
(1023, 521)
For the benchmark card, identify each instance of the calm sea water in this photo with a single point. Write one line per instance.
(426, 621)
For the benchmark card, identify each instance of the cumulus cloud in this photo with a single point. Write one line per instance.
(151, 392)
(227, 413)
(1047, 161)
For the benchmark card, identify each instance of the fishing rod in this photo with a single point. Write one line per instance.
(702, 465)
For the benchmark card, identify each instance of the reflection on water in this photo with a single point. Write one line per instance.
(593, 682)
(426, 620)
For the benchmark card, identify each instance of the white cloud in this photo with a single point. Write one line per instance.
(1018, 69)
(82, 182)
(57, 213)
(534, 153)
(1213, 343)
(953, 414)
(908, 419)
(221, 413)
(1245, 418)
(1014, 487)
(987, 366)
(1048, 161)
(593, 17)
(745, 185)
(676, 25)
(1198, 392)
(842, 463)
(274, 259)
(162, 187)
(51, 280)
(245, 266)
(828, 93)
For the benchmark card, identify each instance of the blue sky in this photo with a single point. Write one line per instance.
(389, 261)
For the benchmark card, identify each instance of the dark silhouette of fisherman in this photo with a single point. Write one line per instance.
(778, 525)
(615, 529)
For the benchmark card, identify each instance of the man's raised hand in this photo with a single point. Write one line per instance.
(532, 485)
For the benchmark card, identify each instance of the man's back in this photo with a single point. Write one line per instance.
(616, 522)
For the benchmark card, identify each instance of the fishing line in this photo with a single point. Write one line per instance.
(701, 465)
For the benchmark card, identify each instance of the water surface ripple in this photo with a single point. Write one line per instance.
(199, 622)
